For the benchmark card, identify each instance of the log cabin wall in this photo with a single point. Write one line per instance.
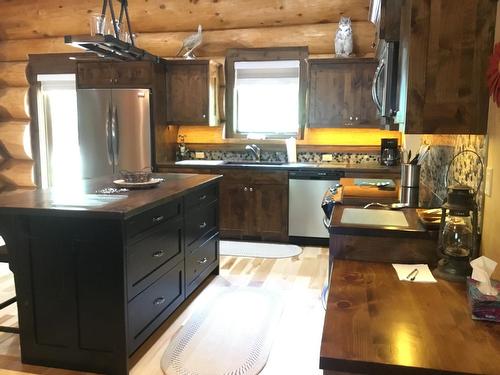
(29, 27)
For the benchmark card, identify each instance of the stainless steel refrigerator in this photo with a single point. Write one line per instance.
(114, 130)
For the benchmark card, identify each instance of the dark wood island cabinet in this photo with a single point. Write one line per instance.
(96, 274)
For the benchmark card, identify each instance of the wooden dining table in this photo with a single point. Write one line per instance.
(376, 324)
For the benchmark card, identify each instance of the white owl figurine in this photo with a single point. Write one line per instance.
(343, 38)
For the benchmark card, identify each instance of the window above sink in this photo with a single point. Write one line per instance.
(266, 92)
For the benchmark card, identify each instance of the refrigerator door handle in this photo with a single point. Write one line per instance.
(115, 135)
(109, 135)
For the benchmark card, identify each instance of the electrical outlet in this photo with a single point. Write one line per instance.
(488, 182)
(199, 155)
(326, 157)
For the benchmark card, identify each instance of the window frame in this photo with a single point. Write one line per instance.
(265, 54)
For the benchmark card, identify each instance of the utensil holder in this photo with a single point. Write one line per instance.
(410, 175)
(409, 196)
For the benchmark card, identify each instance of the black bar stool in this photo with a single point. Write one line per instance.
(4, 258)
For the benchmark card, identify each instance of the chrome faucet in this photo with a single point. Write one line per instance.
(255, 150)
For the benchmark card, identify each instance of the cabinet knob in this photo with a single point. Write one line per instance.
(159, 301)
(203, 261)
(251, 189)
(350, 118)
(157, 219)
(245, 189)
(115, 80)
(204, 115)
(203, 197)
(357, 118)
(203, 225)
(158, 254)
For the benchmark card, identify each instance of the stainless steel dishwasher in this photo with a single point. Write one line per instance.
(305, 216)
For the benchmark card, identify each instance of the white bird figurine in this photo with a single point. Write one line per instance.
(190, 43)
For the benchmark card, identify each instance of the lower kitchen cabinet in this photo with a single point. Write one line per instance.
(254, 205)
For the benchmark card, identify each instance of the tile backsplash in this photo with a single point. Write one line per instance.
(466, 168)
(302, 157)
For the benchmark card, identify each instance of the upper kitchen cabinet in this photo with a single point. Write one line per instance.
(444, 51)
(105, 74)
(340, 93)
(192, 92)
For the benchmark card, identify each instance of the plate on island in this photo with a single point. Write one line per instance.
(138, 185)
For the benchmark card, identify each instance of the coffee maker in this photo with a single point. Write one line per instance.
(389, 151)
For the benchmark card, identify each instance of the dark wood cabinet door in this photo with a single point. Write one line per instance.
(340, 93)
(114, 75)
(363, 109)
(94, 75)
(270, 207)
(234, 205)
(133, 74)
(444, 53)
(188, 93)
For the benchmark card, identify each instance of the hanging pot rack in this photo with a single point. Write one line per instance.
(110, 46)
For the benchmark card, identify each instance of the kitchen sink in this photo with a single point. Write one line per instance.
(255, 162)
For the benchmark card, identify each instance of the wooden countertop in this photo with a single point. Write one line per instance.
(84, 200)
(376, 324)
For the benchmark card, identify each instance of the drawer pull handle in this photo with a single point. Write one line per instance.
(203, 225)
(203, 261)
(157, 219)
(159, 301)
(158, 254)
(203, 197)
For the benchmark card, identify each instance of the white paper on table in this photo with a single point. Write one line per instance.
(424, 274)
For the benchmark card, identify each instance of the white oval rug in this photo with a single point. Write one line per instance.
(258, 249)
(231, 334)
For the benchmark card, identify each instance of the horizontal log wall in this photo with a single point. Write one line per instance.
(28, 19)
(36, 27)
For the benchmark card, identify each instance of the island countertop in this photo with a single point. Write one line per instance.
(376, 324)
(85, 198)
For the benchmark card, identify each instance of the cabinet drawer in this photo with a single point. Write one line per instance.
(201, 196)
(201, 258)
(255, 177)
(199, 222)
(160, 245)
(150, 308)
(153, 217)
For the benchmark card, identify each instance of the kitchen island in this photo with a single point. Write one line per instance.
(97, 273)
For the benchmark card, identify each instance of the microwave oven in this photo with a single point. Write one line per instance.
(385, 82)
